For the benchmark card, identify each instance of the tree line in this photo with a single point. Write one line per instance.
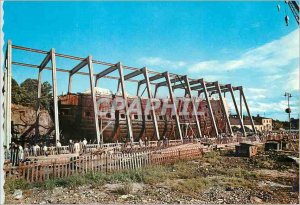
(26, 93)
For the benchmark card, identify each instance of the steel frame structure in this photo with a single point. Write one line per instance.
(188, 84)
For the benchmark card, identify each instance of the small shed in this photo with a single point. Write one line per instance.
(273, 145)
(246, 150)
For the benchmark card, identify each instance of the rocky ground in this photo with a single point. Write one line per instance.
(214, 178)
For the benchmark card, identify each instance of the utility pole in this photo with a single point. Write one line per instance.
(288, 110)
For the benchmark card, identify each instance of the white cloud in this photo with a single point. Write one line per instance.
(260, 107)
(255, 93)
(292, 81)
(270, 56)
(156, 61)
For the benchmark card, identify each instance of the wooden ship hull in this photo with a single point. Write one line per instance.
(77, 120)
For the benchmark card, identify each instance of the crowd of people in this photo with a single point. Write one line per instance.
(17, 153)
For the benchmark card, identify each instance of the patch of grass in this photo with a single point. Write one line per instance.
(212, 157)
(152, 175)
(12, 184)
(126, 176)
(191, 186)
(125, 189)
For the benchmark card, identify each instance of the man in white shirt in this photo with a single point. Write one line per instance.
(77, 147)
(58, 146)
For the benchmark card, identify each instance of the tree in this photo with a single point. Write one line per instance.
(26, 93)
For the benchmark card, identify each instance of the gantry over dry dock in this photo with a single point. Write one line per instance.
(214, 122)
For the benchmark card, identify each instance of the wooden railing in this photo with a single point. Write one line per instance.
(64, 167)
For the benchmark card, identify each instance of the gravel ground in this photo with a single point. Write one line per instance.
(275, 183)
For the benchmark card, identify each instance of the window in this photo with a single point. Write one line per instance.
(135, 117)
(173, 117)
(160, 117)
(108, 115)
(122, 116)
(149, 117)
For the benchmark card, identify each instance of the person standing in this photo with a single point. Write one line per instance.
(45, 149)
(58, 146)
(21, 153)
(84, 145)
(16, 155)
(77, 147)
(70, 146)
(34, 149)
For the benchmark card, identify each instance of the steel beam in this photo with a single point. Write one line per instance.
(189, 92)
(107, 71)
(223, 106)
(145, 72)
(55, 99)
(133, 74)
(167, 76)
(175, 79)
(152, 78)
(78, 67)
(236, 109)
(138, 89)
(93, 94)
(75, 70)
(128, 119)
(39, 91)
(247, 108)
(209, 107)
(192, 82)
(155, 91)
(45, 61)
(211, 88)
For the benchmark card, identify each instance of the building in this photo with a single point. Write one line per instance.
(261, 124)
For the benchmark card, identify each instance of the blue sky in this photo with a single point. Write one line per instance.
(243, 43)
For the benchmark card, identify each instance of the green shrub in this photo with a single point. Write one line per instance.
(12, 184)
(124, 189)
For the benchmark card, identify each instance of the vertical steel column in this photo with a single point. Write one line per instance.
(70, 84)
(91, 72)
(8, 94)
(55, 101)
(236, 109)
(167, 76)
(39, 93)
(248, 110)
(145, 72)
(209, 107)
(189, 92)
(223, 107)
(128, 120)
(241, 106)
